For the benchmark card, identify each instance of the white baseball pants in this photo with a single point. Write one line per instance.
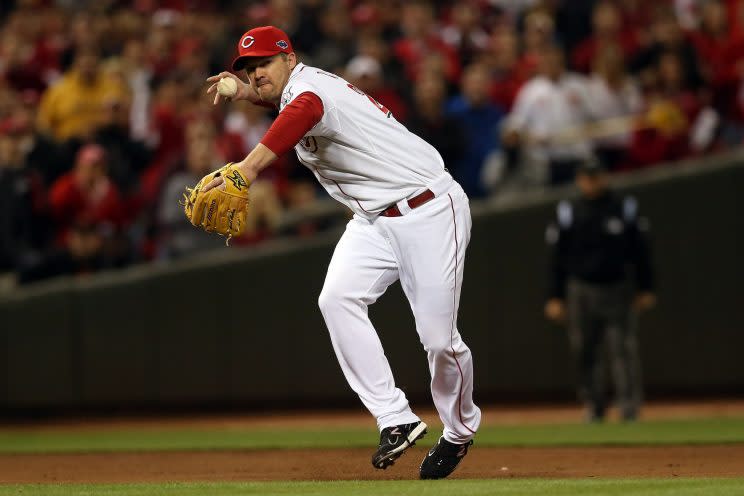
(425, 249)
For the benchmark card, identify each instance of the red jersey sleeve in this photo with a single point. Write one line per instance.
(297, 118)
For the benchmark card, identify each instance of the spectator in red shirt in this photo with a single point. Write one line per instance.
(86, 195)
(735, 16)
(607, 30)
(712, 39)
(161, 42)
(168, 129)
(464, 33)
(539, 36)
(672, 107)
(507, 74)
(18, 64)
(720, 54)
(420, 39)
(666, 35)
(29, 49)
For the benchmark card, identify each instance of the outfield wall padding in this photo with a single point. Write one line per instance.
(242, 327)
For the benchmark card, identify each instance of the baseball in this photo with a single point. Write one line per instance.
(227, 87)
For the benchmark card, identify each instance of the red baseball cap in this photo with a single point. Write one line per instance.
(263, 41)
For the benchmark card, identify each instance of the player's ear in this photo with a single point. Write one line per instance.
(292, 60)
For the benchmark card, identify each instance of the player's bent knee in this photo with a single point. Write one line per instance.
(438, 344)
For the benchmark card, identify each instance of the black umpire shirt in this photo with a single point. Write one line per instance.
(601, 241)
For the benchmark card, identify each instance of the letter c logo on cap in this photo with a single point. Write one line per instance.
(249, 40)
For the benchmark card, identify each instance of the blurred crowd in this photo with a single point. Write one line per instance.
(104, 118)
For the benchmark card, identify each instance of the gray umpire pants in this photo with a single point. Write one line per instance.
(598, 315)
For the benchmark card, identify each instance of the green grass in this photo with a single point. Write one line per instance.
(700, 431)
(710, 430)
(501, 487)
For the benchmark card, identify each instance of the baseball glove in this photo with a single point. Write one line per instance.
(222, 209)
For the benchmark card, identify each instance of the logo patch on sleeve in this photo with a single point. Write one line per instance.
(286, 97)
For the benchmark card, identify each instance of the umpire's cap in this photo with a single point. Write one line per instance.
(263, 41)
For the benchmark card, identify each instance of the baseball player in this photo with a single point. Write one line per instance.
(411, 223)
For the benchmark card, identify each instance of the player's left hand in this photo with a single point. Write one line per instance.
(219, 201)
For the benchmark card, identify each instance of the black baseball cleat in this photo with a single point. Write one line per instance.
(442, 459)
(394, 441)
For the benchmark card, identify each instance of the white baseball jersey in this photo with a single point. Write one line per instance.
(368, 161)
(359, 152)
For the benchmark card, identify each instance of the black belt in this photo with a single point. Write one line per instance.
(415, 202)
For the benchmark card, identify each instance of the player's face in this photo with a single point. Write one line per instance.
(269, 75)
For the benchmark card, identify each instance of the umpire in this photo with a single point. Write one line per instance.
(600, 278)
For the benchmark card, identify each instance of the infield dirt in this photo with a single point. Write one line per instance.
(354, 464)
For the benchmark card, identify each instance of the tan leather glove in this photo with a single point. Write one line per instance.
(222, 209)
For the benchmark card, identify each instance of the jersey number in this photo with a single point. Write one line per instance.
(377, 104)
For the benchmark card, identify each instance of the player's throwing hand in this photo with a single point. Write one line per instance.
(244, 91)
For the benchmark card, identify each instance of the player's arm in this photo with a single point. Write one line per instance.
(293, 122)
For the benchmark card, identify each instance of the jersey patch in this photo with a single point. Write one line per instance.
(309, 143)
(286, 97)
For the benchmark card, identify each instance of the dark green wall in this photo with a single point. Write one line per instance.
(242, 327)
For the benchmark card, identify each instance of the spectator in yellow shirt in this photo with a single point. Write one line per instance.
(72, 108)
